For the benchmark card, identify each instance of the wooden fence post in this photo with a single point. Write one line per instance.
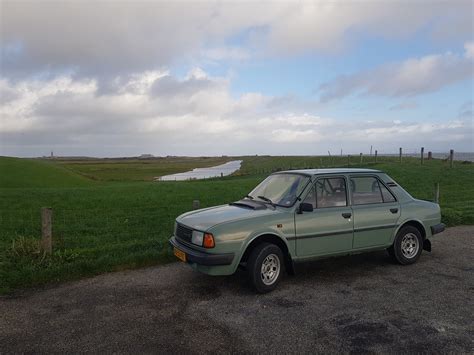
(375, 155)
(430, 155)
(196, 204)
(360, 158)
(422, 154)
(46, 230)
(436, 192)
(400, 155)
(451, 158)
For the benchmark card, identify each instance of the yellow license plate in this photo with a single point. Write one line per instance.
(181, 255)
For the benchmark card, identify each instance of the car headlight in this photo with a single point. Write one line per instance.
(197, 238)
(205, 240)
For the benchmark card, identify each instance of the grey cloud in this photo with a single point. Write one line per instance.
(98, 37)
(103, 39)
(78, 122)
(69, 108)
(409, 78)
(7, 95)
(170, 86)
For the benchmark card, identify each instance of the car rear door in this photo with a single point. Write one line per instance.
(328, 228)
(375, 210)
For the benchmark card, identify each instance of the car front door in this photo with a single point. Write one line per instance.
(328, 228)
(375, 210)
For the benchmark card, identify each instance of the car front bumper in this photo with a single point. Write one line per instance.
(438, 228)
(201, 258)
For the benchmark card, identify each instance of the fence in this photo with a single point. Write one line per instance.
(142, 225)
(111, 227)
(378, 157)
(269, 164)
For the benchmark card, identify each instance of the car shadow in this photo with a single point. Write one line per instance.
(348, 269)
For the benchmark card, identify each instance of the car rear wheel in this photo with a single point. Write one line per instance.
(265, 266)
(407, 247)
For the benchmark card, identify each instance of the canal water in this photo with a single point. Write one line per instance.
(204, 173)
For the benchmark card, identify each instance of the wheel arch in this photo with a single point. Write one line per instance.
(274, 239)
(418, 225)
(414, 223)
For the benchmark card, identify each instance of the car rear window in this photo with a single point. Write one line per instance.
(369, 190)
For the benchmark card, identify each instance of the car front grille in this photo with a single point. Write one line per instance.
(184, 233)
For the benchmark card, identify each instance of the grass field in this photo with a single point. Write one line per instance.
(23, 173)
(137, 169)
(107, 216)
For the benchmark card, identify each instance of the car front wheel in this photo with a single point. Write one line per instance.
(265, 267)
(407, 247)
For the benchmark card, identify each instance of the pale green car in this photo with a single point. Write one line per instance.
(298, 215)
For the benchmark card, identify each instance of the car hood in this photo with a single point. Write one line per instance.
(209, 217)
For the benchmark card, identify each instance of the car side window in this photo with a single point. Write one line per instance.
(386, 195)
(368, 190)
(311, 197)
(331, 192)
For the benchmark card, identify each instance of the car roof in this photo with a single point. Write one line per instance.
(311, 172)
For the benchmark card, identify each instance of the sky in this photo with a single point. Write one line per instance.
(109, 78)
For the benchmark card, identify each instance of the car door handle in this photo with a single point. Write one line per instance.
(394, 210)
(347, 215)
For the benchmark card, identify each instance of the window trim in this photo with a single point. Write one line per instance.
(316, 193)
(380, 182)
(390, 192)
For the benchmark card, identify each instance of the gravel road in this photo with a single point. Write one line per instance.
(362, 303)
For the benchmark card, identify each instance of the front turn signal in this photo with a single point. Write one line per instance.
(208, 241)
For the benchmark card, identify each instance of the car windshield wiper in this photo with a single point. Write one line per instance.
(266, 199)
(248, 196)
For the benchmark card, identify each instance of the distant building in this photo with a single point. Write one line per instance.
(146, 156)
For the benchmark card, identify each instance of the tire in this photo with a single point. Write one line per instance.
(408, 245)
(269, 257)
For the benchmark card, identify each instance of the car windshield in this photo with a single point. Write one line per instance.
(280, 189)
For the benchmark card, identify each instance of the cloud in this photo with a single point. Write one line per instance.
(169, 86)
(197, 115)
(404, 79)
(469, 48)
(7, 94)
(226, 53)
(104, 39)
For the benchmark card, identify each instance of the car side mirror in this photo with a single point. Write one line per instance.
(305, 207)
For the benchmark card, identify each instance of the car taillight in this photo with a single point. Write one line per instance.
(208, 241)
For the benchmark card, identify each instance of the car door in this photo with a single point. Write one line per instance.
(375, 209)
(328, 228)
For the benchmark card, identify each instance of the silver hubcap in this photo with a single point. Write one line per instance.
(410, 245)
(270, 269)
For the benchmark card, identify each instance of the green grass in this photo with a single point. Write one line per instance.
(137, 169)
(24, 173)
(102, 226)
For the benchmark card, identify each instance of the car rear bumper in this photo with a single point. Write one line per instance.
(202, 258)
(438, 228)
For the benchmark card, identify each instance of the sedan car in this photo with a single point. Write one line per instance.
(299, 215)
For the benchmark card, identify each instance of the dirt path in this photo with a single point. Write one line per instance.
(359, 303)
